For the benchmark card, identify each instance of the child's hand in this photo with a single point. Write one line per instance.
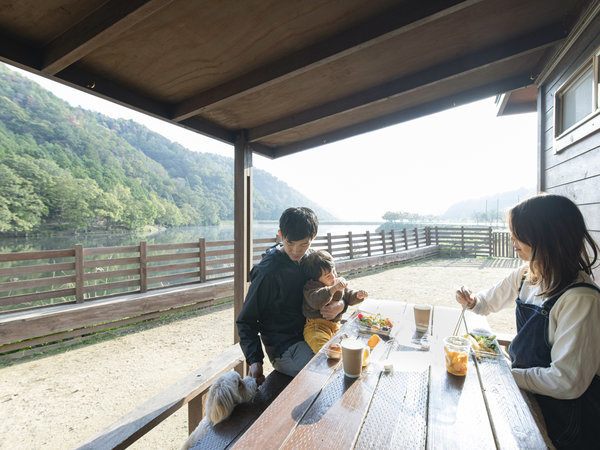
(464, 297)
(340, 283)
(362, 294)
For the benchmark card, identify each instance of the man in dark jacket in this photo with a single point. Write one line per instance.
(273, 305)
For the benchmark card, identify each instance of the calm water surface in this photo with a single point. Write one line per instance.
(171, 235)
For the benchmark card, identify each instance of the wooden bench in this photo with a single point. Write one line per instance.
(191, 390)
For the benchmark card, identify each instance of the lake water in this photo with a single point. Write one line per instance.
(171, 235)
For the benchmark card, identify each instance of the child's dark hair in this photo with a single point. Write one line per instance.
(298, 223)
(314, 263)
(554, 228)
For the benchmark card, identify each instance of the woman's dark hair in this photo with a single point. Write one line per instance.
(314, 263)
(298, 223)
(561, 246)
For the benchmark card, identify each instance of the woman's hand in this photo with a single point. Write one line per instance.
(332, 309)
(464, 297)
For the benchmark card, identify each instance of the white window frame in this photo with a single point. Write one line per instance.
(590, 123)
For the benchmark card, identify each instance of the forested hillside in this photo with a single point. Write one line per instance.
(69, 168)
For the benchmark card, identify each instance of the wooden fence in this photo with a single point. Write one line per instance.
(30, 280)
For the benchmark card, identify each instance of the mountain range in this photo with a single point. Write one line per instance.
(63, 167)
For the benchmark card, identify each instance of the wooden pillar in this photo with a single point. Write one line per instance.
(79, 273)
(202, 248)
(143, 266)
(350, 245)
(242, 225)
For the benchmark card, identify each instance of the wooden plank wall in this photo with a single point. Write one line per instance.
(575, 171)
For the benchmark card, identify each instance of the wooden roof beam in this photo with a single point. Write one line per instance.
(400, 19)
(451, 101)
(496, 54)
(99, 28)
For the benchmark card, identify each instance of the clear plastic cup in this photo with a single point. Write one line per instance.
(456, 350)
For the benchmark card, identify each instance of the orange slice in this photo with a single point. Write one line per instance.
(373, 341)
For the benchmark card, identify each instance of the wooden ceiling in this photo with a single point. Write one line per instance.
(289, 74)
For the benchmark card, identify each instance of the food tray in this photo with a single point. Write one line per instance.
(369, 327)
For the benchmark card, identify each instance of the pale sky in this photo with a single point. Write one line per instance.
(422, 166)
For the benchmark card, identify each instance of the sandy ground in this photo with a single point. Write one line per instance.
(56, 401)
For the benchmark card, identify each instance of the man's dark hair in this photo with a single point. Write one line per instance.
(298, 223)
(314, 263)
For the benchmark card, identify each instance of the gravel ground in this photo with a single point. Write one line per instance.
(57, 400)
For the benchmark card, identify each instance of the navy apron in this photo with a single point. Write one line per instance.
(571, 424)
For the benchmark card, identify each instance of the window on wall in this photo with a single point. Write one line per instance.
(576, 105)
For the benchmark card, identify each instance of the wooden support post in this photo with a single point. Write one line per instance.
(196, 411)
(427, 235)
(490, 241)
(368, 243)
(383, 241)
(242, 220)
(405, 238)
(394, 240)
(143, 266)
(437, 236)
(350, 245)
(462, 241)
(329, 244)
(417, 237)
(79, 273)
(202, 246)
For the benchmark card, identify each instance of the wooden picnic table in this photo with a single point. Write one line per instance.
(417, 405)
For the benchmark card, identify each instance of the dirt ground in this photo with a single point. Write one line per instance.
(56, 401)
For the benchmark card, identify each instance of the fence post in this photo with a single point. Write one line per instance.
(437, 236)
(202, 245)
(417, 236)
(368, 243)
(462, 241)
(428, 236)
(329, 244)
(79, 273)
(394, 240)
(383, 241)
(491, 237)
(143, 266)
(350, 245)
(405, 238)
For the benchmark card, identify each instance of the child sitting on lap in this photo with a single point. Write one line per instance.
(323, 287)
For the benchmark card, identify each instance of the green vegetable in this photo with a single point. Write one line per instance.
(487, 343)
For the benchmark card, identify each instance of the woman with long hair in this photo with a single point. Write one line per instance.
(556, 352)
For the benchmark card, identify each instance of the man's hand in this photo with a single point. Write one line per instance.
(332, 309)
(362, 294)
(256, 371)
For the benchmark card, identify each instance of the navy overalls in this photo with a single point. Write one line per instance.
(570, 423)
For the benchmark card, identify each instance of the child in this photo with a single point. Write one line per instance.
(272, 311)
(322, 288)
(556, 352)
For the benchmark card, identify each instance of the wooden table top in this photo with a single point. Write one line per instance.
(417, 405)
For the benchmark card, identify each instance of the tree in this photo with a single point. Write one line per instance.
(390, 216)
